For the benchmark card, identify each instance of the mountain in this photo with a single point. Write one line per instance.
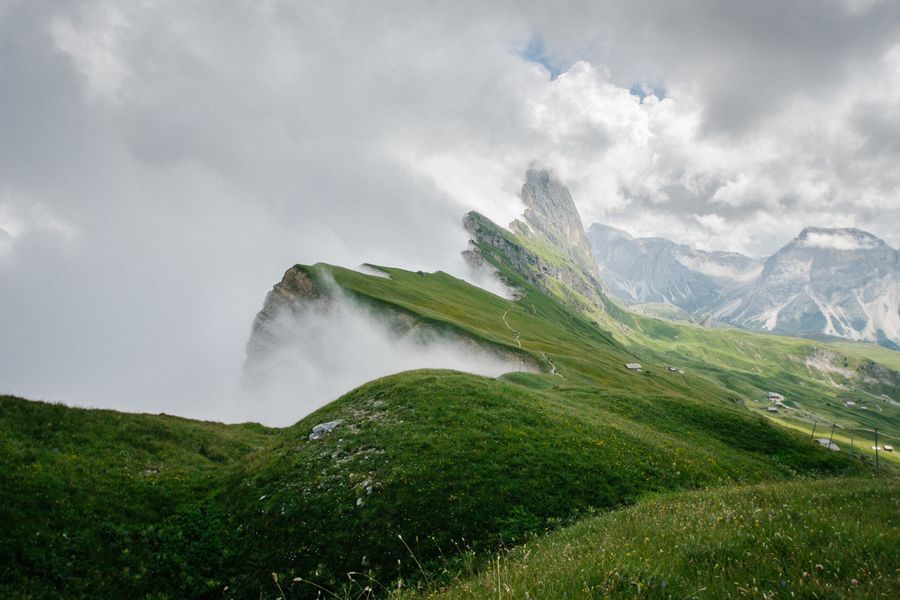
(833, 282)
(658, 270)
(417, 480)
(826, 282)
(547, 245)
(550, 210)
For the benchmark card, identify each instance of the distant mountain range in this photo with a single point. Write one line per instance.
(825, 282)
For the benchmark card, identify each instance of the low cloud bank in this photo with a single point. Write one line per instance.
(314, 356)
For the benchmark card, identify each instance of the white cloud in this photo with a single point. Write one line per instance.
(836, 241)
(22, 217)
(198, 149)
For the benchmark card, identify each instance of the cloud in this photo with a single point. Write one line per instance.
(325, 351)
(22, 218)
(198, 149)
(837, 240)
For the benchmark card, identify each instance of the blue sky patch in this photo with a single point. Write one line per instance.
(536, 52)
(642, 90)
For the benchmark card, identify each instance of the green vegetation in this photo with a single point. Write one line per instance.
(439, 457)
(95, 503)
(873, 352)
(808, 539)
(428, 467)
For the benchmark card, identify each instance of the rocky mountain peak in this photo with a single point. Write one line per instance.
(549, 209)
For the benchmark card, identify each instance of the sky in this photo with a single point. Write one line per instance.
(162, 163)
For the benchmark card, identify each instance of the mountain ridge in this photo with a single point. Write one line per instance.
(826, 282)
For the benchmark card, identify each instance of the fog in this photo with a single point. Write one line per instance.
(325, 350)
(162, 163)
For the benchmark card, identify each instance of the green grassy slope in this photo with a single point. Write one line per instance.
(138, 503)
(104, 504)
(817, 377)
(807, 539)
(439, 457)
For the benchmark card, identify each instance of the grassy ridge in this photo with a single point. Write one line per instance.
(810, 539)
(181, 508)
(818, 375)
(439, 457)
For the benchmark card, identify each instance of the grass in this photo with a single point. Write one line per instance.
(427, 464)
(440, 457)
(880, 354)
(832, 538)
(104, 504)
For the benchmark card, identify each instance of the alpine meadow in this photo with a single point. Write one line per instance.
(408, 301)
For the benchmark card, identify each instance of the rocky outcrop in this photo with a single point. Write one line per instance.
(550, 210)
(296, 291)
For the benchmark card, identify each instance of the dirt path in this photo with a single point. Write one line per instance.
(505, 322)
(519, 344)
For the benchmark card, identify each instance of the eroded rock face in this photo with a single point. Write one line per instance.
(659, 270)
(550, 209)
(837, 282)
(295, 292)
(826, 282)
(579, 288)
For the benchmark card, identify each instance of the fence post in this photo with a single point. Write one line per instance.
(852, 433)
(814, 430)
(831, 437)
(876, 448)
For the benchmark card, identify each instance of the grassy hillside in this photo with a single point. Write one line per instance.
(817, 377)
(422, 463)
(104, 504)
(807, 539)
(438, 457)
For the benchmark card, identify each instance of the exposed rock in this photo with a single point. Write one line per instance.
(322, 428)
(833, 282)
(296, 291)
(550, 209)
(548, 247)
(659, 270)
(826, 282)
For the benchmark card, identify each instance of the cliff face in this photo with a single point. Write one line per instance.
(550, 210)
(296, 291)
(547, 246)
(836, 282)
(659, 270)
